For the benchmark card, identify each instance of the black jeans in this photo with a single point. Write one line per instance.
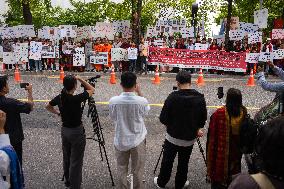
(18, 147)
(169, 154)
(143, 63)
(73, 146)
(132, 65)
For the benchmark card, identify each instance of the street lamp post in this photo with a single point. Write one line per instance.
(194, 10)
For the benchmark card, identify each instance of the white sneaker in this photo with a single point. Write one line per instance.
(186, 184)
(156, 182)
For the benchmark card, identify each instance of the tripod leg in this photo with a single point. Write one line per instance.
(159, 160)
(100, 147)
(201, 150)
(108, 166)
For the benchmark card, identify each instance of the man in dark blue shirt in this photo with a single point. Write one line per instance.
(13, 108)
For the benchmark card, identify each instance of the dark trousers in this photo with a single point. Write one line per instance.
(169, 154)
(18, 147)
(143, 63)
(73, 146)
(132, 65)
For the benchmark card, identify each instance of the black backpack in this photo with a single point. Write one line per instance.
(248, 133)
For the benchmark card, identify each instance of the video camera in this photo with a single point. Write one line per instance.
(92, 81)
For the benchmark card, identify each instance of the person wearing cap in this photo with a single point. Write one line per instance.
(267, 47)
(13, 108)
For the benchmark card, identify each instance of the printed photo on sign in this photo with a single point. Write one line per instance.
(48, 51)
(79, 57)
(252, 57)
(99, 58)
(119, 54)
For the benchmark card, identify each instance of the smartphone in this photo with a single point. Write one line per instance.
(23, 85)
(220, 92)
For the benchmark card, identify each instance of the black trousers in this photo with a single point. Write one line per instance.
(73, 146)
(18, 147)
(169, 154)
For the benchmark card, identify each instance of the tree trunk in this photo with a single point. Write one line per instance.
(28, 19)
(228, 24)
(136, 20)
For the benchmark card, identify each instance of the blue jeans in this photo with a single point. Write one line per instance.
(132, 66)
(38, 65)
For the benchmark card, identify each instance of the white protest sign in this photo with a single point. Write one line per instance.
(278, 54)
(35, 50)
(260, 18)
(43, 33)
(25, 31)
(99, 58)
(254, 37)
(79, 57)
(277, 33)
(48, 51)
(236, 35)
(21, 52)
(8, 58)
(200, 46)
(119, 54)
(265, 56)
(104, 30)
(132, 53)
(187, 32)
(248, 27)
(120, 26)
(68, 31)
(151, 32)
(158, 42)
(252, 57)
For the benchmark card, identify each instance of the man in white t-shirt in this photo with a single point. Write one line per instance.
(132, 57)
(127, 111)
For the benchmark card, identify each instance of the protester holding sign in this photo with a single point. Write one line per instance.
(132, 57)
(143, 50)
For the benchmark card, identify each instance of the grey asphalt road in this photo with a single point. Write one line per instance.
(42, 144)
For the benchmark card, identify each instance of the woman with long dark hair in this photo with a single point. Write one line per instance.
(72, 131)
(223, 142)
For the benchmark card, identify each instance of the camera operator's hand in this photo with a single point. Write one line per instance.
(89, 88)
(271, 64)
(260, 69)
(200, 133)
(29, 88)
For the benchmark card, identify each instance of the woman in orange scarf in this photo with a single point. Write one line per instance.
(223, 142)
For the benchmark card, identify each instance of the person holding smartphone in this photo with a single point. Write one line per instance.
(72, 131)
(13, 108)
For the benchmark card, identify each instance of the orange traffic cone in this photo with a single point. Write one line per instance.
(157, 77)
(200, 80)
(112, 76)
(251, 79)
(62, 75)
(17, 75)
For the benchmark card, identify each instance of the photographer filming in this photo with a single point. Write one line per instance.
(273, 87)
(13, 108)
(184, 114)
(72, 131)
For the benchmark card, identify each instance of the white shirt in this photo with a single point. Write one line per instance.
(127, 112)
(4, 161)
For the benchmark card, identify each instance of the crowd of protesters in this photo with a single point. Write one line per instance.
(138, 63)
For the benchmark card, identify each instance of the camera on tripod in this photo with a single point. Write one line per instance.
(92, 81)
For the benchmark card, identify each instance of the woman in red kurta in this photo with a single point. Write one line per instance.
(223, 142)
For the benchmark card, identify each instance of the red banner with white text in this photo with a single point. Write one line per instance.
(206, 59)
